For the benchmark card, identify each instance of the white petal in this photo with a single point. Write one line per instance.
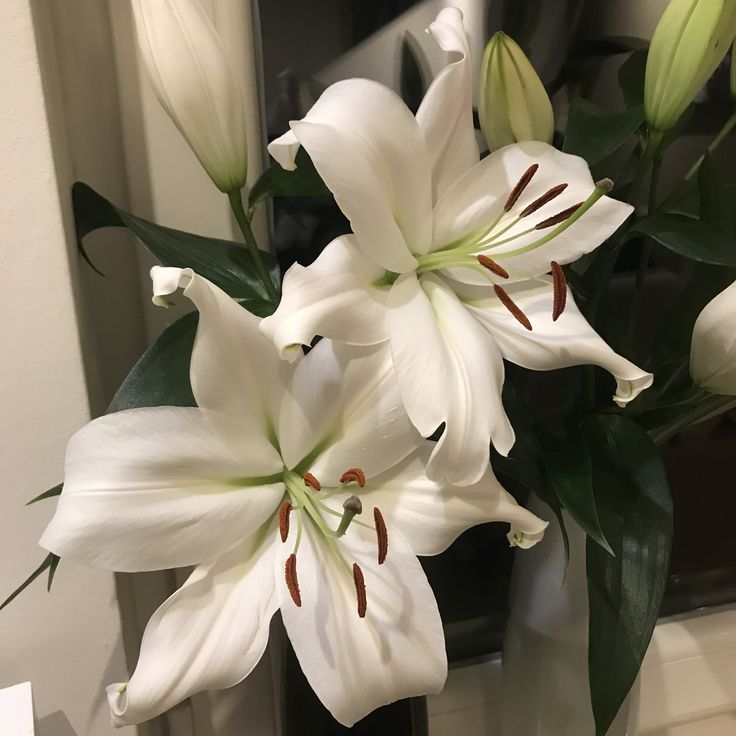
(446, 112)
(355, 665)
(345, 400)
(150, 489)
(432, 514)
(449, 371)
(476, 200)
(235, 369)
(568, 341)
(208, 635)
(369, 150)
(334, 297)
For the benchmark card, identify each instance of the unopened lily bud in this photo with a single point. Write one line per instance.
(690, 41)
(513, 105)
(191, 74)
(713, 349)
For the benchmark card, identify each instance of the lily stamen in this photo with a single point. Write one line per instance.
(284, 513)
(292, 582)
(492, 266)
(353, 475)
(352, 507)
(559, 287)
(360, 591)
(381, 535)
(559, 217)
(538, 203)
(509, 303)
(311, 482)
(521, 185)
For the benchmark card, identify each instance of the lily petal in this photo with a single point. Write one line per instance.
(145, 488)
(209, 635)
(449, 371)
(334, 297)
(370, 152)
(446, 112)
(354, 664)
(432, 514)
(234, 369)
(568, 341)
(345, 401)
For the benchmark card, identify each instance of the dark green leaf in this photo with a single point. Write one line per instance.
(631, 78)
(50, 563)
(276, 181)
(225, 263)
(413, 75)
(595, 133)
(689, 238)
(570, 472)
(51, 493)
(625, 592)
(716, 209)
(161, 375)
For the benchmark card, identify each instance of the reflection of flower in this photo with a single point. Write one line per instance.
(434, 228)
(513, 104)
(713, 350)
(194, 81)
(260, 488)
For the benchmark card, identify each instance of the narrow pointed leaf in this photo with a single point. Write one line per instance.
(275, 181)
(50, 563)
(51, 493)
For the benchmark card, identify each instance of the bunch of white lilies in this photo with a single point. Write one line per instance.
(303, 481)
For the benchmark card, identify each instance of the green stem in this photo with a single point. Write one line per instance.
(236, 204)
(728, 126)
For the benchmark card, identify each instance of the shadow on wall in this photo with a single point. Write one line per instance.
(55, 724)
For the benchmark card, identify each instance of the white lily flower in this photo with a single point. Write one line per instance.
(194, 81)
(261, 487)
(713, 349)
(430, 221)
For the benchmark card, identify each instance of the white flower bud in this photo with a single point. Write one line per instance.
(194, 81)
(713, 350)
(513, 105)
(690, 41)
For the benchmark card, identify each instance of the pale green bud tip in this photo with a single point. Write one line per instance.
(121, 689)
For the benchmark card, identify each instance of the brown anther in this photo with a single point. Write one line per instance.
(559, 290)
(521, 185)
(558, 218)
(381, 535)
(353, 475)
(359, 581)
(543, 200)
(509, 303)
(292, 582)
(492, 266)
(311, 481)
(284, 512)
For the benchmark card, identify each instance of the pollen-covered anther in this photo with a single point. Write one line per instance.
(284, 516)
(311, 481)
(558, 218)
(381, 535)
(359, 581)
(492, 266)
(292, 582)
(559, 290)
(353, 475)
(539, 202)
(521, 185)
(511, 305)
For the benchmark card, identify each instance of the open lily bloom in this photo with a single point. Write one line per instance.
(262, 487)
(430, 221)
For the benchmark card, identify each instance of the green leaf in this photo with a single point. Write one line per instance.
(276, 181)
(595, 133)
(161, 375)
(689, 238)
(413, 82)
(716, 207)
(50, 563)
(625, 592)
(631, 78)
(227, 264)
(51, 493)
(570, 472)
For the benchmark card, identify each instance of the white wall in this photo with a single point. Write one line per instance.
(67, 643)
